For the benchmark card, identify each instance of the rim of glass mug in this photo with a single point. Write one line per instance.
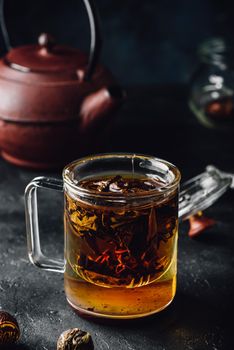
(151, 163)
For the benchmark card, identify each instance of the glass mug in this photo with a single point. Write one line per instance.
(120, 231)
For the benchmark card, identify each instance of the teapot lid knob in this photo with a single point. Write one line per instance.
(46, 41)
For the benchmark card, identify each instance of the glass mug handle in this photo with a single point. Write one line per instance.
(196, 194)
(32, 225)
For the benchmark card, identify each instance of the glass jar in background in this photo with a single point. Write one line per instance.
(212, 87)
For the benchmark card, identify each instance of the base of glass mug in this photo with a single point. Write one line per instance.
(90, 314)
(104, 303)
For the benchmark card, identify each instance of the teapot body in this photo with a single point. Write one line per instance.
(41, 124)
(56, 101)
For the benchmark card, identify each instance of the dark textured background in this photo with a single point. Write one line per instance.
(145, 42)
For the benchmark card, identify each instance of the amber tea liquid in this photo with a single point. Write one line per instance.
(120, 259)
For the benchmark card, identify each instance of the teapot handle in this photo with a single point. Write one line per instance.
(4, 31)
(95, 43)
(96, 40)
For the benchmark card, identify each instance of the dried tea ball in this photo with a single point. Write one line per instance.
(75, 339)
(9, 328)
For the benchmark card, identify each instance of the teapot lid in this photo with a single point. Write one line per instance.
(46, 57)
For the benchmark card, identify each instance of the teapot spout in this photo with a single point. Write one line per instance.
(100, 104)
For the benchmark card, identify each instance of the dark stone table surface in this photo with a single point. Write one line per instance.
(156, 121)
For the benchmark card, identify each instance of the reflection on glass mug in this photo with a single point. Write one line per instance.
(121, 228)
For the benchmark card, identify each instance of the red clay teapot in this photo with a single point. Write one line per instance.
(55, 100)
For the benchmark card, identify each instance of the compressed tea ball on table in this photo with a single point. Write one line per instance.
(75, 339)
(9, 328)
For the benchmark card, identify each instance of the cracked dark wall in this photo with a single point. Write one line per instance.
(144, 41)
